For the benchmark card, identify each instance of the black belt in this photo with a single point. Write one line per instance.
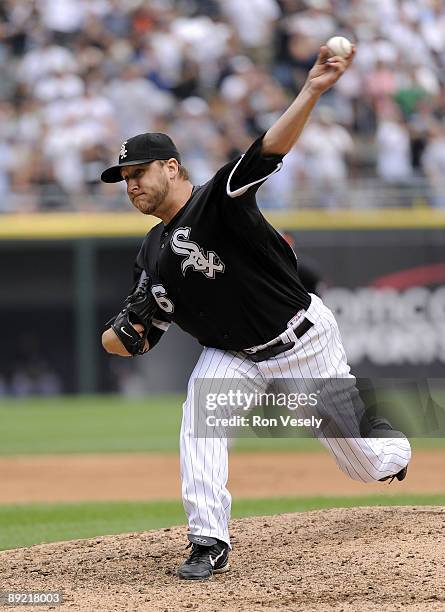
(280, 346)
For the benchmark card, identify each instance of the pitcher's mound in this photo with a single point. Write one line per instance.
(342, 559)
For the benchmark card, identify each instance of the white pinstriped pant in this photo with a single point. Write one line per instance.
(204, 461)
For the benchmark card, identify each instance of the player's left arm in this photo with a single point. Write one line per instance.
(284, 133)
(114, 346)
(137, 328)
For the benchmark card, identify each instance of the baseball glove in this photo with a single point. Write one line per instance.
(139, 307)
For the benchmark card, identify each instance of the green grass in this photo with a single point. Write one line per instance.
(94, 424)
(25, 525)
(112, 424)
(99, 424)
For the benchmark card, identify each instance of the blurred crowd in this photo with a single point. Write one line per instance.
(81, 76)
(30, 368)
(37, 379)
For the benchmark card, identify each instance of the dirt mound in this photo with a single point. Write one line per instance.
(342, 559)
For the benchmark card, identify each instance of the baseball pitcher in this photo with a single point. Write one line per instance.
(219, 270)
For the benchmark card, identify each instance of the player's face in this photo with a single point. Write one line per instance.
(147, 186)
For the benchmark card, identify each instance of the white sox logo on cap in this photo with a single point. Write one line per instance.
(123, 152)
(141, 149)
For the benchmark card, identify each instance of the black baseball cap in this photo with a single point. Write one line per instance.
(141, 149)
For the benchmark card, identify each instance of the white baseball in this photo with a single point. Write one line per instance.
(339, 45)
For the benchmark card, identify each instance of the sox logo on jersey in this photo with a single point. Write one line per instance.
(195, 256)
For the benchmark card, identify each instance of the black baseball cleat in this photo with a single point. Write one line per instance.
(209, 556)
(400, 476)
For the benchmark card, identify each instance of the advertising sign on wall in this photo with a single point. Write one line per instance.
(388, 294)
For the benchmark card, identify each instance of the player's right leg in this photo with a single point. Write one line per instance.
(318, 361)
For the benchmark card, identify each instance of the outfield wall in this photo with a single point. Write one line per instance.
(384, 278)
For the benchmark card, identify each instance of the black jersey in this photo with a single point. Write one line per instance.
(218, 268)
